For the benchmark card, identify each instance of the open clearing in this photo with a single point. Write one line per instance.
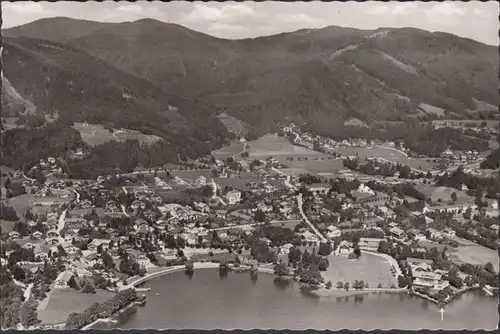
(233, 125)
(369, 268)
(94, 134)
(490, 124)
(7, 226)
(375, 152)
(272, 145)
(235, 147)
(62, 302)
(470, 252)
(20, 203)
(444, 194)
(316, 164)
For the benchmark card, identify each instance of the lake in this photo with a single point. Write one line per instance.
(208, 300)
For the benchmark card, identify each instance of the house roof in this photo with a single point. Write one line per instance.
(66, 276)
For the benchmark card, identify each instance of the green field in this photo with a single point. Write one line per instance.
(444, 194)
(375, 152)
(62, 302)
(20, 203)
(470, 252)
(233, 125)
(326, 165)
(272, 145)
(461, 123)
(93, 135)
(235, 147)
(369, 268)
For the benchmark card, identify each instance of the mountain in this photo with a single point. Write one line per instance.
(78, 87)
(324, 75)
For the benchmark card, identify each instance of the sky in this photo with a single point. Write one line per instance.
(234, 20)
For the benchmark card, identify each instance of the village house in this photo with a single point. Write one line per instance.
(233, 197)
(419, 264)
(369, 244)
(333, 232)
(449, 232)
(398, 233)
(429, 280)
(344, 248)
(433, 233)
(64, 279)
(104, 243)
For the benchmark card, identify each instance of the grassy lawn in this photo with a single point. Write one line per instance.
(369, 268)
(313, 164)
(62, 302)
(475, 254)
(444, 194)
(225, 152)
(20, 203)
(7, 226)
(271, 145)
(94, 134)
(376, 152)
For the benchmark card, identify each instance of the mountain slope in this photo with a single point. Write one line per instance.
(81, 88)
(328, 74)
(55, 29)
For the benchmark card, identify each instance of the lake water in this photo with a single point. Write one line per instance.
(208, 300)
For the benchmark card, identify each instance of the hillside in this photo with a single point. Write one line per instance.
(324, 75)
(78, 87)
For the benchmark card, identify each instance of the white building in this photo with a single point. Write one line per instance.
(369, 244)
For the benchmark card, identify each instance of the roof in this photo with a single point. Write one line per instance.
(415, 260)
(65, 276)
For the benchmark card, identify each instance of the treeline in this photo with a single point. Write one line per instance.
(476, 185)
(8, 213)
(101, 310)
(421, 139)
(401, 190)
(492, 161)
(22, 148)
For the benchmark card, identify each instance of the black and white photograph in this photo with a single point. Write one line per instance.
(249, 165)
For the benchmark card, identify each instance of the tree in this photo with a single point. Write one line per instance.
(340, 285)
(454, 196)
(28, 314)
(328, 285)
(87, 287)
(280, 269)
(325, 249)
(346, 286)
(259, 215)
(489, 268)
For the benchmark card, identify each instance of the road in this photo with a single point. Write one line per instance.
(288, 179)
(236, 226)
(301, 210)
(244, 150)
(61, 223)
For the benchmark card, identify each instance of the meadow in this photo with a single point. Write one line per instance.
(234, 148)
(369, 268)
(62, 302)
(93, 135)
(272, 145)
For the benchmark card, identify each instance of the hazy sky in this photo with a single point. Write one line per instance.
(476, 20)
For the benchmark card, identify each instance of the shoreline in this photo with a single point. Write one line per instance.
(334, 292)
(174, 269)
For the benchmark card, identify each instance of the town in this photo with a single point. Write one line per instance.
(430, 231)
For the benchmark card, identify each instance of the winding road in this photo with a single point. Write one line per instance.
(315, 230)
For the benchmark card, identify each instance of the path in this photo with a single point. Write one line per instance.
(244, 150)
(288, 179)
(301, 210)
(61, 223)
